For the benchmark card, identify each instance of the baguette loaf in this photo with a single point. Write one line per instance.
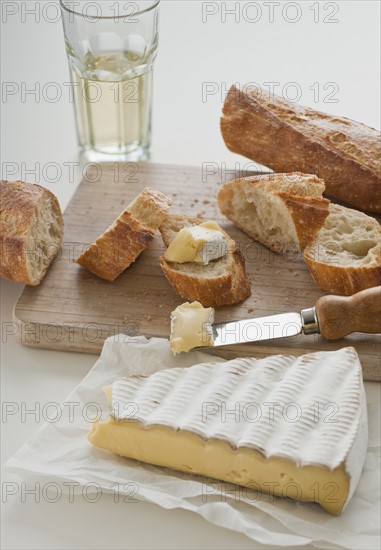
(128, 236)
(223, 281)
(281, 211)
(31, 229)
(288, 137)
(345, 256)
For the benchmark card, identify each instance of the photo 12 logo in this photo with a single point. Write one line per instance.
(292, 92)
(54, 92)
(52, 492)
(270, 412)
(270, 12)
(92, 334)
(50, 11)
(53, 172)
(269, 489)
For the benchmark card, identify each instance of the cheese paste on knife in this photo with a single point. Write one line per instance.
(191, 327)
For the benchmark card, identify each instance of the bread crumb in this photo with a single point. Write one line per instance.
(250, 309)
(205, 201)
(149, 317)
(195, 200)
(122, 202)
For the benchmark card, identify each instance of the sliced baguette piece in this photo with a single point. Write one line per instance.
(128, 236)
(221, 282)
(281, 211)
(31, 230)
(345, 256)
(288, 137)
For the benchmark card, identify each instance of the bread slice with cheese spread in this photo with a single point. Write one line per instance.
(282, 211)
(130, 234)
(221, 282)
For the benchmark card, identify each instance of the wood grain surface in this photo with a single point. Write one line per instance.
(74, 310)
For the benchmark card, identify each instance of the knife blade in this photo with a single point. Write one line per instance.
(333, 317)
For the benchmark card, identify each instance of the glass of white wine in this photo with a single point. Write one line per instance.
(111, 47)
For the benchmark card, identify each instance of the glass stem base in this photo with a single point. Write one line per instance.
(138, 154)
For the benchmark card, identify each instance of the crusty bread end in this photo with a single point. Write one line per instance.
(128, 236)
(31, 230)
(287, 137)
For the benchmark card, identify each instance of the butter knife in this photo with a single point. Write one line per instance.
(333, 317)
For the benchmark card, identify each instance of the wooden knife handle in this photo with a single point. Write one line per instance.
(342, 315)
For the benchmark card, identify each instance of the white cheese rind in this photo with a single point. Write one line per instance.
(357, 454)
(201, 243)
(213, 249)
(323, 391)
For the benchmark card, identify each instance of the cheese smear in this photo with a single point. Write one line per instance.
(191, 327)
(197, 243)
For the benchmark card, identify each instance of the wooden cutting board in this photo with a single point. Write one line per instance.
(75, 310)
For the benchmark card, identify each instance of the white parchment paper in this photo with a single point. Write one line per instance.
(59, 451)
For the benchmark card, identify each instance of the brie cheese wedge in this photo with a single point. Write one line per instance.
(289, 426)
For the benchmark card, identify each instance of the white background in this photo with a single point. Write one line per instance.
(39, 135)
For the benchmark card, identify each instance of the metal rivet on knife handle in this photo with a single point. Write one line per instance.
(310, 321)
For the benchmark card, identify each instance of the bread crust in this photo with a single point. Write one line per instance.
(308, 213)
(131, 233)
(228, 287)
(343, 279)
(19, 206)
(287, 137)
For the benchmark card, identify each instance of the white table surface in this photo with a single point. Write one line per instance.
(38, 135)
